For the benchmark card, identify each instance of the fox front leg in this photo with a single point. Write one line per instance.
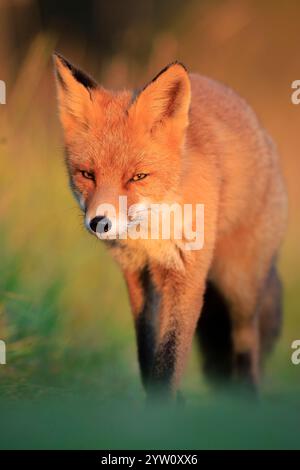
(166, 306)
(181, 299)
(144, 299)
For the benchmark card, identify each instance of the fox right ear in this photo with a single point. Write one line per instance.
(165, 100)
(74, 89)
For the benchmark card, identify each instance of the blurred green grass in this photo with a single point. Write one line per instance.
(91, 424)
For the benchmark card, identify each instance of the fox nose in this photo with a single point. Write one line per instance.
(100, 224)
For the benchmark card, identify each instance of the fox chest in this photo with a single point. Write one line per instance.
(135, 254)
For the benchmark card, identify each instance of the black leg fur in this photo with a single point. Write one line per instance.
(214, 337)
(145, 327)
(214, 332)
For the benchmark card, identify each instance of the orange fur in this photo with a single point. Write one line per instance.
(200, 143)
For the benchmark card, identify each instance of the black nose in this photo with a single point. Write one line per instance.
(100, 224)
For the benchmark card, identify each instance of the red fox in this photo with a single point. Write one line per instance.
(183, 139)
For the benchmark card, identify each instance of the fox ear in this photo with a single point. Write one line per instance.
(74, 89)
(166, 99)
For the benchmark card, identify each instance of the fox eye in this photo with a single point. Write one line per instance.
(139, 176)
(87, 174)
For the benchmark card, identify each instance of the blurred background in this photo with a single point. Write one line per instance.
(71, 378)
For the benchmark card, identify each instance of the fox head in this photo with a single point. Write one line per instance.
(122, 143)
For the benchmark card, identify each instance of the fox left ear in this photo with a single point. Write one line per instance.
(166, 99)
(74, 89)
